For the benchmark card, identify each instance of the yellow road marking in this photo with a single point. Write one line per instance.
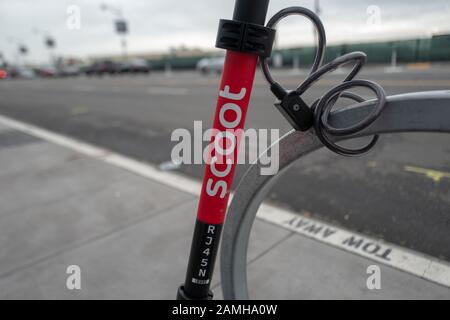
(372, 164)
(78, 110)
(419, 65)
(435, 175)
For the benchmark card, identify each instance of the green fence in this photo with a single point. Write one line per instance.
(440, 48)
(407, 51)
(432, 49)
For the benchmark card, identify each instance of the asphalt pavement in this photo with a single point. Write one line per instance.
(398, 193)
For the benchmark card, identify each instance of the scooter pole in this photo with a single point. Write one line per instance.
(232, 103)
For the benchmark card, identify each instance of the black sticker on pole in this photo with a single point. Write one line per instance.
(201, 262)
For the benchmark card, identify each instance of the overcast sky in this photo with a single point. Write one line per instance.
(156, 25)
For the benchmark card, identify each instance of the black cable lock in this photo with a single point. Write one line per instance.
(300, 115)
(296, 111)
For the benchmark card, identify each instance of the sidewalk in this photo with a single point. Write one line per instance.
(131, 235)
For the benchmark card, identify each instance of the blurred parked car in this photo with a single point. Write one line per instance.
(210, 65)
(135, 66)
(3, 74)
(46, 71)
(21, 73)
(69, 71)
(103, 67)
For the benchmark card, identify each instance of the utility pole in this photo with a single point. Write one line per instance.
(318, 11)
(296, 59)
(2, 60)
(22, 50)
(49, 42)
(120, 26)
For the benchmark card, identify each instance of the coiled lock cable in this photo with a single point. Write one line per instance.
(322, 107)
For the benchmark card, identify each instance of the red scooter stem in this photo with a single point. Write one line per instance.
(232, 103)
(231, 110)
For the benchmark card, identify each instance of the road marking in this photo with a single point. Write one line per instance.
(406, 260)
(167, 91)
(415, 263)
(393, 69)
(372, 164)
(434, 175)
(419, 66)
(77, 110)
(170, 179)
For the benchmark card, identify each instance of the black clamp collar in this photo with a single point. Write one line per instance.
(245, 37)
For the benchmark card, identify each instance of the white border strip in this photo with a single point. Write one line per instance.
(415, 263)
(173, 180)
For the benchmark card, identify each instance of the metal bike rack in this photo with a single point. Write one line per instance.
(413, 112)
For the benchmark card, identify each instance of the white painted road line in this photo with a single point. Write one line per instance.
(173, 180)
(395, 256)
(406, 260)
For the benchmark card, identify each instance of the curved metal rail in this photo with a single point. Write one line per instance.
(414, 112)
